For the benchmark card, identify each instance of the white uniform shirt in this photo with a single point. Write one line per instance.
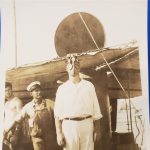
(77, 100)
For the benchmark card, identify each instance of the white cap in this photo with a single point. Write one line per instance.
(33, 85)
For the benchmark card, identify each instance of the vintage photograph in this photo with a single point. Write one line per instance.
(74, 75)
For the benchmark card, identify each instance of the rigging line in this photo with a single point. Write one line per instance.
(107, 63)
(128, 97)
(127, 115)
(103, 55)
(137, 129)
(130, 109)
(15, 32)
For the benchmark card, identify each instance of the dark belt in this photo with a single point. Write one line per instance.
(78, 118)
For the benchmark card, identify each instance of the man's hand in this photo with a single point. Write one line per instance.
(7, 134)
(96, 133)
(61, 139)
(97, 136)
(60, 135)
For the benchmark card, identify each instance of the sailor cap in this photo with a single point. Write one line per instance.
(33, 85)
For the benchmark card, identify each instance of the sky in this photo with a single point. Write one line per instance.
(37, 22)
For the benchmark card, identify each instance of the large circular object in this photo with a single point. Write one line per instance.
(72, 35)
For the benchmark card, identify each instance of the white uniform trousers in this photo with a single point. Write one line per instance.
(78, 134)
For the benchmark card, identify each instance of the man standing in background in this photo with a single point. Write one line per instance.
(13, 106)
(77, 111)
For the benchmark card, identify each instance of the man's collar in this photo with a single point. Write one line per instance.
(35, 104)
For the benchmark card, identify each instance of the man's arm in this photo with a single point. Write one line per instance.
(96, 115)
(58, 113)
(97, 131)
(60, 136)
(6, 132)
(19, 105)
(17, 119)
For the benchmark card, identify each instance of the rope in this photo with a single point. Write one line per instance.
(127, 115)
(110, 69)
(15, 29)
(137, 129)
(130, 109)
(103, 56)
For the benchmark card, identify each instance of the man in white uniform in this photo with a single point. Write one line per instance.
(77, 111)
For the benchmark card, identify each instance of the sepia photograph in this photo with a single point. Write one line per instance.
(74, 75)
